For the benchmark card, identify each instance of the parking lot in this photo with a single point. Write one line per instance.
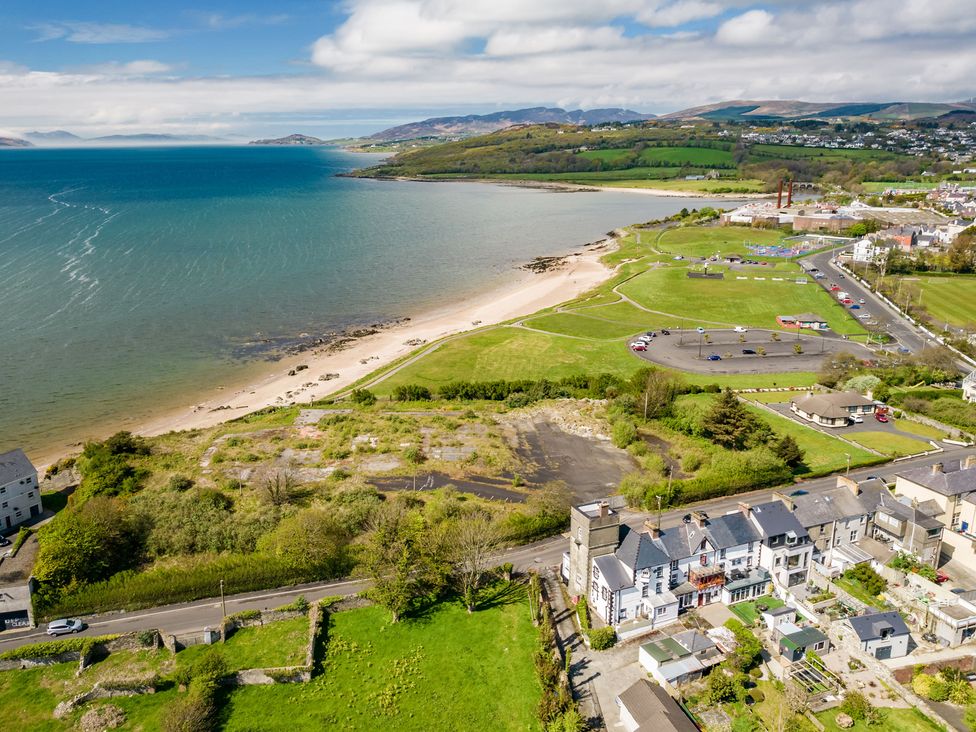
(689, 350)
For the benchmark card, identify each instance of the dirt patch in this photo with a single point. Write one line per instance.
(491, 488)
(662, 447)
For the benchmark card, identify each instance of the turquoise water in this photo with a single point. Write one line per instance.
(132, 279)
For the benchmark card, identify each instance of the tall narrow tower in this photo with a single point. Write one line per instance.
(595, 531)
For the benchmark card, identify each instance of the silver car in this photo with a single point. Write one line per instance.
(65, 626)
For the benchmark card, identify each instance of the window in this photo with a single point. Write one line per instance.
(777, 562)
(579, 533)
(702, 547)
(645, 572)
(30, 494)
(603, 593)
(27, 480)
(659, 572)
(623, 613)
(854, 536)
(721, 554)
(736, 562)
(674, 566)
(644, 590)
(660, 611)
(749, 561)
(3, 489)
(657, 588)
(596, 572)
(4, 505)
(704, 560)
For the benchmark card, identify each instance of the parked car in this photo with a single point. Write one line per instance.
(855, 306)
(678, 258)
(651, 333)
(665, 331)
(714, 357)
(64, 626)
(686, 518)
(930, 638)
(902, 349)
(847, 301)
(800, 492)
(881, 416)
(857, 419)
(840, 277)
(741, 329)
(865, 316)
(4, 541)
(834, 287)
(862, 301)
(748, 352)
(638, 346)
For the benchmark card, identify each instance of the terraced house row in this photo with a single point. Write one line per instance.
(645, 578)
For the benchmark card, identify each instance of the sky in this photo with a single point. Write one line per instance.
(248, 68)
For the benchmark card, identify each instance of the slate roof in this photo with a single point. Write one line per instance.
(822, 507)
(952, 480)
(614, 573)
(652, 708)
(721, 532)
(638, 551)
(869, 627)
(805, 637)
(833, 405)
(775, 519)
(731, 530)
(777, 611)
(14, 466)
(913, 514)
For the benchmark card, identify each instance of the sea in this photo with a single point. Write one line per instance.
(133, 280)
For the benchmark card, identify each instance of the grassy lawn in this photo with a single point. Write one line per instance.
(754, 381)
(889, 443)
(585, 324)
(950, 299)
(856, 590)
(747, 612)
(880, 186)
(733, 301)
(281, 643)
(445, 670)
(774, 397)
(721, 185)
(697, 241)
(895, 720)
(917, 428)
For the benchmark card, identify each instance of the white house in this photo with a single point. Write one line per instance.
(777, 617)
(969, 387)
(866, 250)
(883, 635)
(683, 657)
(20, 496)
(786, 551)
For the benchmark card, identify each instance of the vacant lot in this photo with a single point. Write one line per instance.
(272, 645)
(888, 443)
(445, 670)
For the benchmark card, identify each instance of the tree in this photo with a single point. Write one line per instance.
(657, 390)
(389, 558)
(787, 450)
(748, 649)
(313, 537)
(731, 425)
(279, 488)
(863, 383)
(363, 397)
(724, 686)
(475, 540)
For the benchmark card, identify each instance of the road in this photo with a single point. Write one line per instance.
(888, 320)
(188, 617)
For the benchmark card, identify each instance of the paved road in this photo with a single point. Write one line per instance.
(183, 618)
(888, 320)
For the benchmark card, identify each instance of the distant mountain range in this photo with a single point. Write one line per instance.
(63, 137)
(290, 140)
(791, 109)
(482, 124)
(14, 142)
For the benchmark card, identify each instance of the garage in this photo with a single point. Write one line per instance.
(882, 653)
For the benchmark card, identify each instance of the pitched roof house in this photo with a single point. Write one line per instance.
(832, 410)
(646, 707)
(883, 635)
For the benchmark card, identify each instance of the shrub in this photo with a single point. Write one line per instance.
(583, 612)
(180, 483)
(194, 713)
(874, 583)
(411, 393)
(414, 455)
(23, 535)
(602, 638)
(856, 706)
(300, 604)
(623, 433)
(363, 397)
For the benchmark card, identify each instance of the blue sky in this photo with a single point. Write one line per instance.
(239, 69)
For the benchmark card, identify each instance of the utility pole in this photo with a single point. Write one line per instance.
(223, 605)
(848, 456)
(658, 512)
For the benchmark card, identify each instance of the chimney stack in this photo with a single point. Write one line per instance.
(937, 468)
(699, 518)
(850, 483)
(969, 462)
(604, 509)
(745, 508)
(779, 195)
(652, 529)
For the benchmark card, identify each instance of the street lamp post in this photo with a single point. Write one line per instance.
(223, 605)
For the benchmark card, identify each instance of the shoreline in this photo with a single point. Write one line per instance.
(554, 185)
(285, 384)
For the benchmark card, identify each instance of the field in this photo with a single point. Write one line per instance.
(950, 299)
(747, 611)
(445, 670)
(889, 443)
(273, 645)
(880, 186)
(917, 428)
(670, 156)
(587, 336)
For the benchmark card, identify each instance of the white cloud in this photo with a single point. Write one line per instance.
(678, 13)
(85, 32)
(533, 40)
(752, 27)
(140, 67)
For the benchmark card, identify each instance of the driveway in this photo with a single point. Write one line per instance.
(870, 424)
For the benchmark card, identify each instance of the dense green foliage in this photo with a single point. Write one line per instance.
(870, 580)
(602, 638)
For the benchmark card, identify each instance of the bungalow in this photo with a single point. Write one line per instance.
(683, 657)
(776, 617)
(810, 321)
(645, 706)
(882, 635)
(796, 642)
(832, 410)
(969, 387)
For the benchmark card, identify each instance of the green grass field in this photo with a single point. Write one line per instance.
(671, 179)
(697, 241)
(888, 443)
(445, 670)
(895, 720)
(950, 299)
(917, 428)
(273, 645)
(774, 397)
(652, 156)
(788, 152)
(880, 186)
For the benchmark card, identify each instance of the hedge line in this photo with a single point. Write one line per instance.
(46, 649)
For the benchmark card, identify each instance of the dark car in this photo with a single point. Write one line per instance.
(714, 357)
(686, 518)
(665, 332)
(4, 541)
(929, 637)
(748, 352)
(799, 493)
(652, 334)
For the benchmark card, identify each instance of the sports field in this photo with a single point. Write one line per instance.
(950, 299)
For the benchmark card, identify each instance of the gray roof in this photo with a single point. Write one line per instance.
(14, 466)
(832, 405)
(822, 507)
(652, 708)
(775, 519)
(783, 610)
(614, 573)
(952, 480)
(694, 641)
(638, 551)
(869, 627)
(730, 530)
(913, 514)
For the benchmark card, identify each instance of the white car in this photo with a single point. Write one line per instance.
(864, 316)
(741, 329)
(64, 626)
(862, 301)
(857, 419)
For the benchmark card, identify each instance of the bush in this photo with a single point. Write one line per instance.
(856, 706)
(874, 583)
(23, 535)
(363, 397)
(624, 432)
(929, 687)
(180, 483)
(194, 713)
(300, 605)
(583, 612)
(411, 393)
(602, 638)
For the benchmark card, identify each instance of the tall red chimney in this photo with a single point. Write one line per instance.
(779, 195)
(789, 194)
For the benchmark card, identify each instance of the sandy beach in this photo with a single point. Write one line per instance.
(527, 293)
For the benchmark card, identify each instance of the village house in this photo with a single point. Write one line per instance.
(678, 659)
(832, 410)
(20, 496)
(882, 635)
(795, 642)
(868, 251)
(810, 321)
(645, 706)
(969, 387)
